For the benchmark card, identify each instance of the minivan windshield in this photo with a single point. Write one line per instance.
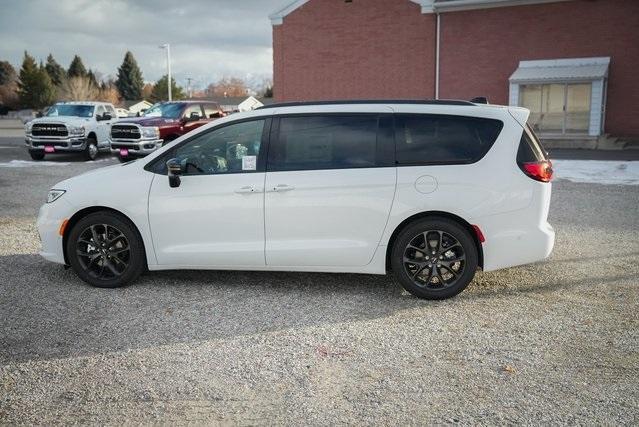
(71, 110)
(169, 111)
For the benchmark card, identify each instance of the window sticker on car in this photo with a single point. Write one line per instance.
(249, 163)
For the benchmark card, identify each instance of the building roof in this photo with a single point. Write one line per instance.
(428, 6)
(128, 103)
(561, 70)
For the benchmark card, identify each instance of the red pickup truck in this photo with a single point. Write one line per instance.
(163, 122)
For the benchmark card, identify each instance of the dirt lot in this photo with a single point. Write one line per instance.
(556, 341)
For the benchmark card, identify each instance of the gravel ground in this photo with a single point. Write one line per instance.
(553, 342)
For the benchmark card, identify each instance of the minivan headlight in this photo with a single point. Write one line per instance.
(76, 130)
(54, 195)
(150, 132)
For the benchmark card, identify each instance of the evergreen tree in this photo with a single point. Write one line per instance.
(35, 88)
(76, 68)
(92, 79)
(7, 73)
(160, 90)
(129, 82)
(56, 72)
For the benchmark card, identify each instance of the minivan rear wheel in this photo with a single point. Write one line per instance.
(434, 258)
(105, 250)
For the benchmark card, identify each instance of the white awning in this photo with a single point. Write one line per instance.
(561, 70)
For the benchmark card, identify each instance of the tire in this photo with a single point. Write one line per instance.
(168, 139)
(91, 150)
(98, 265)
(37, 155)
(455, 256)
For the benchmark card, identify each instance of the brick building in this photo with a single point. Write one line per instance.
(573, 63)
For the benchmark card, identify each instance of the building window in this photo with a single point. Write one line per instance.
(564, 96)
(558, 108)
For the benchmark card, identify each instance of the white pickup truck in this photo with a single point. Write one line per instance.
(81, 127)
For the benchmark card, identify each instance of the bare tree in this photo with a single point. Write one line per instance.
(109, 94)
(227, 86)
(79, 89)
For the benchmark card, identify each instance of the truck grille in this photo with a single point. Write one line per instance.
(125, 132)
(49, 129)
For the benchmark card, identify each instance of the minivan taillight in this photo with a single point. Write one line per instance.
(539, 171)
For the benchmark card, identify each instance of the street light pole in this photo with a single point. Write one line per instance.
(168, 65)
(188, 86)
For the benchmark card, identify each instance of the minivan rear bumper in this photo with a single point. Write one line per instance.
(511, 247)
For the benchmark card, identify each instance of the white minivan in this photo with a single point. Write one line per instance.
(430, 190)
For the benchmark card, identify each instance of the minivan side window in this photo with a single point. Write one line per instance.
(229, 149)
(324, 142)
(446, 139)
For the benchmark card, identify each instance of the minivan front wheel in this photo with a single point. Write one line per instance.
(434, 258)
(105, 250)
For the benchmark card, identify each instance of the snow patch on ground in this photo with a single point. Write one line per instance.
(29, 163)
(598, 171)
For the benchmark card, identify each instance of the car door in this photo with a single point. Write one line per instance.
(330, 184)
(215, 218)
(193, 117)
(101, 127)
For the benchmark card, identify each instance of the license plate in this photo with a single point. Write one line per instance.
(49, 149)
(124, 152)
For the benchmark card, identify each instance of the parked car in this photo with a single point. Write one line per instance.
(430, 190)
(162, 123)
(81, 127)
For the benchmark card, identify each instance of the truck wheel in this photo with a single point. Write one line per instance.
(169, 138)
(91, 151)
(37, 155)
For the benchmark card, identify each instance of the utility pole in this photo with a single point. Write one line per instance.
(168, 65)
(188, 86)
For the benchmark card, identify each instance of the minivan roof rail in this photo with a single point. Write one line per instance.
(370, 101)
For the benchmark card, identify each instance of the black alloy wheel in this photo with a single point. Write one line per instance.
(105, 250)
(434, 258)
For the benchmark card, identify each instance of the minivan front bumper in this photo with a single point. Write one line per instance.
(50, 219)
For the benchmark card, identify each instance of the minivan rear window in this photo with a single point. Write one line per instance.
(446, 139)
(324, 142)
(530, 148)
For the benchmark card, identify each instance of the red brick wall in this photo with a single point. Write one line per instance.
(329, 49)
(480, 49)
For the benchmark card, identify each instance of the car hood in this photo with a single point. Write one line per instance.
(149, 121)
(68, 120)
(112, 172)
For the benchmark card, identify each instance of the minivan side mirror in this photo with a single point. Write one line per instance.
(174, 169)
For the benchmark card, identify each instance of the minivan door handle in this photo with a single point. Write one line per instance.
(280, 188)
(248, 189)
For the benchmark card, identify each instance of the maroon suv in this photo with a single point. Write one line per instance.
(163, 122)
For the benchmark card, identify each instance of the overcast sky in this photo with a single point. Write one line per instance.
(209, 38)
